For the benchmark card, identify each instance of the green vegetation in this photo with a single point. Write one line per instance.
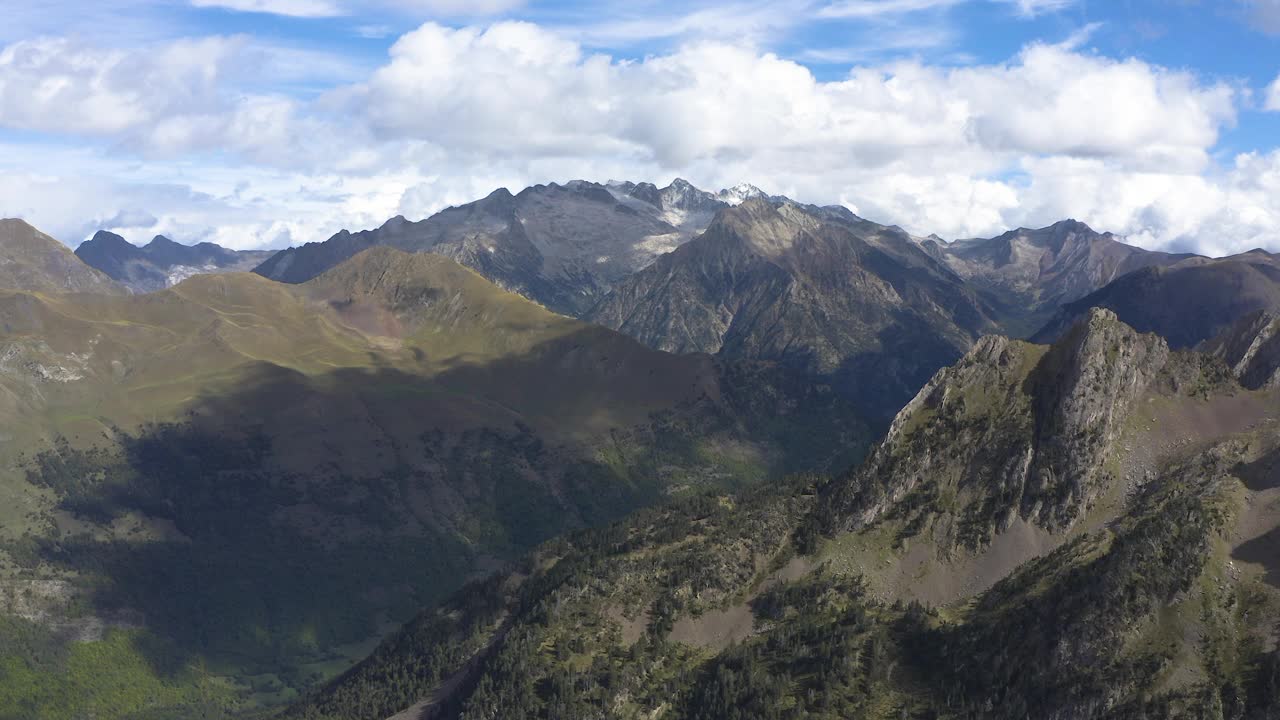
(738, 606)
(124, 674)
(267, 479)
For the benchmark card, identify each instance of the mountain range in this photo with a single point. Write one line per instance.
(162, 262)
(610, 450)
(561, 246)
(1087, 529)
(264, 475)
(746, 275)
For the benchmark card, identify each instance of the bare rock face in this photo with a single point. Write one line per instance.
(1251, 349)
(816, 288)
(1084, 388)
(1011, 430)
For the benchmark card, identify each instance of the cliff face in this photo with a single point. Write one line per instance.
(1251, 349)
(1013, 430)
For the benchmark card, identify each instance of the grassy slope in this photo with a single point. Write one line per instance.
(1152, 604)
(229, 456)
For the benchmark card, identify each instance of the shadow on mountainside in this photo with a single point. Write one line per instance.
(885, 380)
(1261, 476)
(297, 516)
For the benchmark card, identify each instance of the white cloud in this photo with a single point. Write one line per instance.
(865, 9)
(51, 85)
(464, 8)
(1272, 102)
(455, 112)
(291, 8)
(337, 8)
(875, 9)
(1032, 8)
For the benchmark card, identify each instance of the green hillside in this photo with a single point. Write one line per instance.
(227, 491)
(1113, 556)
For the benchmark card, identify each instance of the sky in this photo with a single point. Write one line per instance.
(268, 123)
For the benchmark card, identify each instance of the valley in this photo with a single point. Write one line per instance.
(768, 460)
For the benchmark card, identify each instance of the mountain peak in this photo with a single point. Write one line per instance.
(740, 193)
(109, 239)
(160, 241)
(1050, 412)
(37, 262)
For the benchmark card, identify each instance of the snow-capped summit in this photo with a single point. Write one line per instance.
(739, 194)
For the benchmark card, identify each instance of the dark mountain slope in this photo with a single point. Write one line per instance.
(1121, 578)
(1187, 303)
(559, 245)
(162, 262)
(1251, 349)
(31, 260)
(816, 288)
(252, 478)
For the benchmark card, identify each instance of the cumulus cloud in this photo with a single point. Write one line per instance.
(517, 85)
(53, 85)
(454, 112)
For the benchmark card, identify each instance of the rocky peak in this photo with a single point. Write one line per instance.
(768, 228)
(682, 195)
(1086, 385)
(109, 241)
(740, 193)
(645, 192)
(1011, 430)
(160, 241)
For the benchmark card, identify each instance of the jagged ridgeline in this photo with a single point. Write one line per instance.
(215, 495)
(1082, 530)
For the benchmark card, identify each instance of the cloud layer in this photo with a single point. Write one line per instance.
(1053, 132)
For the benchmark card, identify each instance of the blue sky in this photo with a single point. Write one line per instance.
(268, 122)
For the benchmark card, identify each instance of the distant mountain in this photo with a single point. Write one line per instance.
(816, 288)
(162, 262)
(256, 476)
(1187, 303)
(560, 245)
(1075, 531)
(1029, 274)
(33, 261)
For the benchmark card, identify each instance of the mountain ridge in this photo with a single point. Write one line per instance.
(37, 262)
(560, 245)
(162, 262)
